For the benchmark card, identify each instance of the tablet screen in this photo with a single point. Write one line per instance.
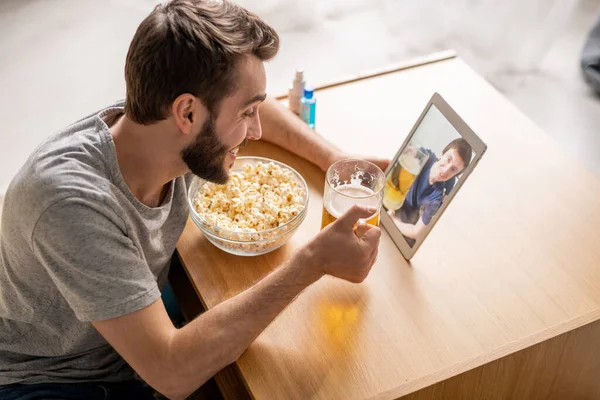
(424, 174)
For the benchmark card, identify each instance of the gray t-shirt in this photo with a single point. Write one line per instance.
(77, 246)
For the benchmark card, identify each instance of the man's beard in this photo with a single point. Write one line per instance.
(206, 156)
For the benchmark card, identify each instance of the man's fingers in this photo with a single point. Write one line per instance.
(371, 236)
(361, 228)
(374, 255)
(356, 212)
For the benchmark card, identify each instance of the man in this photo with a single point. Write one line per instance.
(590, 57)
(91, 220)
(435, 180)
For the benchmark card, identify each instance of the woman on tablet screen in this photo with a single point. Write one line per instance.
(436, 179)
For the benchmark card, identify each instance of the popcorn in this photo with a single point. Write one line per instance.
(257, 198)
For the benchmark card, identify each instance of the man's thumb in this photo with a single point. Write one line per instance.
(361, 228)
(371, 236)
(356, 212)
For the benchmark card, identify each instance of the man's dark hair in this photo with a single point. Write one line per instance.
(463, 148)
(191, 46)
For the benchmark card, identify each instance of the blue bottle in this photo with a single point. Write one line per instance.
(308, 106)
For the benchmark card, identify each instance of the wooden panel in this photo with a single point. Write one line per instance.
(231, 384)
(565, 367)
(1, 203)
(512, 262)
(184, 291)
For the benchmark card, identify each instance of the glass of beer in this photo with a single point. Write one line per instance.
(349, 182)
(402, 176)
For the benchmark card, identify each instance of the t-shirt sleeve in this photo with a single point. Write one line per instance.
(430, 209)
(189, 177)
(96, 267)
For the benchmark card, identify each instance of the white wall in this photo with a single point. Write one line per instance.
(435, 132)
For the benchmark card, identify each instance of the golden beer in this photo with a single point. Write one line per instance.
(344, 199)
(399, 181)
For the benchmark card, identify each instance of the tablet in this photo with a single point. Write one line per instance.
(426, 173)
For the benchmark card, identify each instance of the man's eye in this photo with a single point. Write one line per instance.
(250, 113)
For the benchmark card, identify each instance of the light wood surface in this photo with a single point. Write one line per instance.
(513, 261)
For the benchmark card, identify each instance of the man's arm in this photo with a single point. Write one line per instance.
(282, 127)
(178, 361)
(410, 230)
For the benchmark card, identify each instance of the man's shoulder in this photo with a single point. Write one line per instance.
(31, 195)
(61, 168)
(71, 163)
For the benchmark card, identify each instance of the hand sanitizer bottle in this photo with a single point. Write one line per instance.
(309, 103)
(296, 92)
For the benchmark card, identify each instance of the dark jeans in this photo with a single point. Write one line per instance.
(78, 391)
(409, 216)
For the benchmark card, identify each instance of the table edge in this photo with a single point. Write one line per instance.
(388, 69)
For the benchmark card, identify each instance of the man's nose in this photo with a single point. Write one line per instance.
(254, 128)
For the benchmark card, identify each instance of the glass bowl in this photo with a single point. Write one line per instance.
(247, 243)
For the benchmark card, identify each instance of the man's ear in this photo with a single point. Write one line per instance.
(186, 110)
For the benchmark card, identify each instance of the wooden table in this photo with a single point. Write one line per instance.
(502, 301)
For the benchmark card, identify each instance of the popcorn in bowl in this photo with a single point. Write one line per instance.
(258, 209)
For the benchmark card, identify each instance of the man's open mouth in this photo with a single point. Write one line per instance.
(237, 148)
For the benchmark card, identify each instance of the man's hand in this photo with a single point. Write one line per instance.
(410, 230)
(344, 251)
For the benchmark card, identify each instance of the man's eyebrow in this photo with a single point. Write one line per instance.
(258, 97)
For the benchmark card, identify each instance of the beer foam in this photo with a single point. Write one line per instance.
(357, 178)
(410, 164)
(352, 193)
